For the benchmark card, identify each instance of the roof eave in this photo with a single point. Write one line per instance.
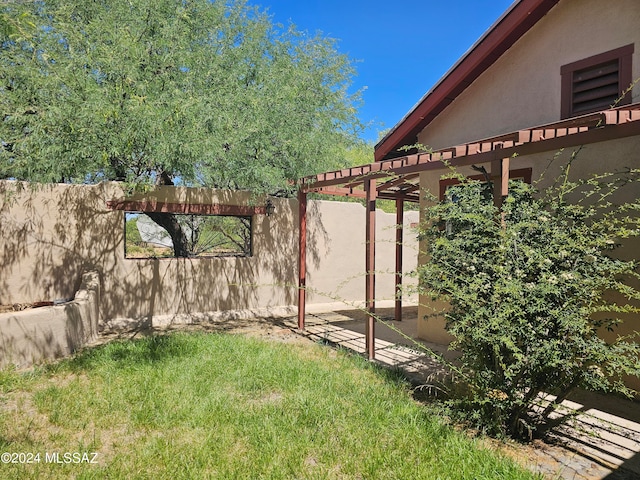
(514, 23)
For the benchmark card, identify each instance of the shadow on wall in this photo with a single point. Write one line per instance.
(319, 240)
(53, 233)
(167, 289)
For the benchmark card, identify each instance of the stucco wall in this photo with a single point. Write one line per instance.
(34, 335)
(336, 254)
(522, 88)
(51, 234)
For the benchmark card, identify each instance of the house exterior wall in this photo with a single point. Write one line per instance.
(52, 234)
(522, 89)
(546, 167)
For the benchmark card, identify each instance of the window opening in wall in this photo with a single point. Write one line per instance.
(596, 83)
(206, 236)
(454, 195)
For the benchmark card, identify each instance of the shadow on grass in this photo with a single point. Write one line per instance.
(131, 353)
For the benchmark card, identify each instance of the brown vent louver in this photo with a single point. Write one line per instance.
(595, 88)
(596, 83)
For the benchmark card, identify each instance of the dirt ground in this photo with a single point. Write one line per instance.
(269, 329)
(18, 307)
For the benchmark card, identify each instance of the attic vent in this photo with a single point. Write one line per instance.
(595, 88)
(596, 83)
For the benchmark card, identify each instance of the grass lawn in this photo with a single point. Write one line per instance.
(228, 406)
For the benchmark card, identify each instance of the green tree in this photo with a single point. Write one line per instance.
(529, 298)
(162, 91)
(15, 23)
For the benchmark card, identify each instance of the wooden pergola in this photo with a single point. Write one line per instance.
(398, 179)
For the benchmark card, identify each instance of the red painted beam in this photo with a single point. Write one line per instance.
(185, 208)
(342, 192)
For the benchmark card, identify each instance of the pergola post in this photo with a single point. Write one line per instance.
(370, 265)
(399, 240)
(302, 257)
(500, 177)
(504, 191)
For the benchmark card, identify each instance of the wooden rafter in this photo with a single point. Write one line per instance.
(592, 128)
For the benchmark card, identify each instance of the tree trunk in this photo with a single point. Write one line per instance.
(169, 222)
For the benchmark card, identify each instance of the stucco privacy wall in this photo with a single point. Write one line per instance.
(51, 234)
(31, 336)
(336, 254)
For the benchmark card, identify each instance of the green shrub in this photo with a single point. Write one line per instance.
(131, 231)
(529, 295)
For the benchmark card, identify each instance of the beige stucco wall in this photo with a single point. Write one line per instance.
(51, 234)
(336, 254)
(35, 335)
(522, 88)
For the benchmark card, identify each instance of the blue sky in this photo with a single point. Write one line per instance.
(402, 48)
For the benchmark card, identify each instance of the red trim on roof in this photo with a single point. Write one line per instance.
(498, 39)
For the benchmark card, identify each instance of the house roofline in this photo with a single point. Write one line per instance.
(511, 26)
(398, 175)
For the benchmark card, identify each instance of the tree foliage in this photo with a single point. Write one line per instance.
(155, 91)
(15, 24)
(530, 298)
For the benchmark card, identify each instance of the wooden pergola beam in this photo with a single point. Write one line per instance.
(185, 208)
(398, 181)
(341, 192)
(592, 128)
